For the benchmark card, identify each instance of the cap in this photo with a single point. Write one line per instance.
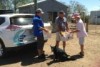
(61, 12)
(39, 10)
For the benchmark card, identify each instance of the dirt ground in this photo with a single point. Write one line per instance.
(91, 58)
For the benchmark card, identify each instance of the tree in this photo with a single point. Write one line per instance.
(77, 7)
(0, 5)
(16, 3)
(35, 4)
(13, 4)
(3, 4)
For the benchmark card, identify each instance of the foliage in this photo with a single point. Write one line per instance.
(13, 4)
(77, 7)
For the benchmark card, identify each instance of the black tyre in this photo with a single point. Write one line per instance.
(2, 49)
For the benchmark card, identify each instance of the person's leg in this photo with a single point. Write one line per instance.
(40, 46)
(64, 45)
(57, 43)
(57, 39)
(81, 42)
(82, 48)
(39, 52)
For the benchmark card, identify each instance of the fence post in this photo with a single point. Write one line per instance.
(87, 24)
(35, 4)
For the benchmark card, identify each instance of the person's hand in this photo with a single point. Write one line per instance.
(62, 33)
(71, 32)
(46, 31)
(68, 30)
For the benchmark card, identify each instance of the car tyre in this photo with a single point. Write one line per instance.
(2, 49)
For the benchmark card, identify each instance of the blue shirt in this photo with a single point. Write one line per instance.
(37, 24)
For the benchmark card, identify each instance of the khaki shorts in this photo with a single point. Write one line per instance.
(59, 37)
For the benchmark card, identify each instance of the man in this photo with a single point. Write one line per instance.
(38, 28)
(61, 26)
(81, 32)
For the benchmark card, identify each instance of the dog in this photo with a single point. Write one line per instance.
(59, 54)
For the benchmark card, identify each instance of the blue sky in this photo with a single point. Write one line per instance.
(91, 5)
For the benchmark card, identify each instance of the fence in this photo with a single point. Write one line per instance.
(94, 29)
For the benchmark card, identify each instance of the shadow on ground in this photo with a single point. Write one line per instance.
(72, 58)
(25, 55)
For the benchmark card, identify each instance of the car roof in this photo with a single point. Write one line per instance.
(12, 15)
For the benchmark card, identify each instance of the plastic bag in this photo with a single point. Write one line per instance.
(46, 35)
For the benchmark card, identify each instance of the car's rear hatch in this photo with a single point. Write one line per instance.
(22, 27)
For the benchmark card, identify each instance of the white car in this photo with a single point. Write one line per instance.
(16, 30)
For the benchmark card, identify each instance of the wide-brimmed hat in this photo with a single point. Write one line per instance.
(39, 10)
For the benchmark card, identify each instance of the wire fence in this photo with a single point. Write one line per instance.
(94, 29)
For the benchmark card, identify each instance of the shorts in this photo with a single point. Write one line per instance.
(59, 37)
(40, 42)
(81, 40)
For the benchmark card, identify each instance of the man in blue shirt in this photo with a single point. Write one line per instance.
(38, 28)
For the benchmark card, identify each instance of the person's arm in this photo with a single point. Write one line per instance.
(44, 29)
(79, 28)
(74, 31)
(38, 25)
(67, 28)
(41, 27)
(66, 22)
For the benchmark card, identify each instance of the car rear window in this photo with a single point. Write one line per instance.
(2, 20)
(21, 20)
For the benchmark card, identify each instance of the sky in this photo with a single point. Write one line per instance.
(91, 5)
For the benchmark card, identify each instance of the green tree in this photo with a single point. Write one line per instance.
(16, 3)
(0, 6)
(77, 7)
(3, 4)
(12, 4)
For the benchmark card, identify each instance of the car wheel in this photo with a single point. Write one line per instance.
(2, 49)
